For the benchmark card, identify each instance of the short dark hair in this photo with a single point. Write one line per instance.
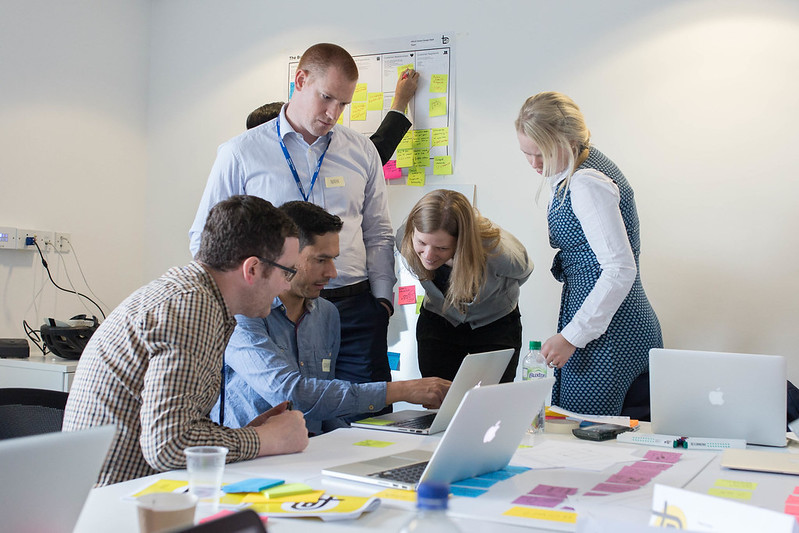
(263, 114)
(319, 57)
(241, 227)
(311, 220)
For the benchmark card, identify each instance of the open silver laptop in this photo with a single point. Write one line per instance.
(482, 437)
(718, 395)
(476, 369)
(47, 478)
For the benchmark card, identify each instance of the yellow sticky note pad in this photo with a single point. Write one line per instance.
(416, 176)
(235, 498)
(162, 485)
(406, 142)
(403, 68)
(373, 443)
(438, 106)
(404, 157)
(438, 83)
(730, 494)
(358, 111)
(287, 489)
(309, 497)
(421, 157)
(360, 93)
(440, 136)
(442, 165)
(374, 102)
(397, 494)
(421, 138)
(542, 514)
(340, 119)
(731, 484)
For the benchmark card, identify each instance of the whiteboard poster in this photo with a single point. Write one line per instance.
(427, 148)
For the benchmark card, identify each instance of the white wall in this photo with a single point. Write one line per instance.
(695, 100)
(73, 78)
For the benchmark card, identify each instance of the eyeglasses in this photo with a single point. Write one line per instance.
(288, 272)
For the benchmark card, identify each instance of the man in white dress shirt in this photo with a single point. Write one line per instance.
(305, 155)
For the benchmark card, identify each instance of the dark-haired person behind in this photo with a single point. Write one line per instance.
(291, 354)
(391, 130)
(471, 271)
(153, 367)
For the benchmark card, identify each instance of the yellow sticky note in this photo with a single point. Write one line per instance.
(358, 111)
(373, 443)
(438, 83)
(233, 499)
(162, 485)
(419, 300)
(287, 489)
(731, 484)
(375, 102)
(730, 494)
(404, 157)
(440, 136)
(421, 157)
(438, 106)
(360, 93)
(416, 176)
(340, 119)
(407, 141)
(566, 517)
(257, 497)
(421, 138)
(442, 165)
(397, 494)
(403, 68)
(376, 421)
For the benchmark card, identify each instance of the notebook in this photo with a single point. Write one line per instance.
(759, 461)
(476, 369)
(482, 437)
(718, 395)
(47, 478)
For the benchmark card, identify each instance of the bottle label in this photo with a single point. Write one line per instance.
(534, 373)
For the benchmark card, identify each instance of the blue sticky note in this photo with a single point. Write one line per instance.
(252, 485)
(513, 470)
(498, 475)
(476, 482)
(393, 360)
(466, 491)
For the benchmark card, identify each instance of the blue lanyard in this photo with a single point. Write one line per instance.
(293, 168)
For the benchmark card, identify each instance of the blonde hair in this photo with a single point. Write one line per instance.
(554, 122)
(475, 238)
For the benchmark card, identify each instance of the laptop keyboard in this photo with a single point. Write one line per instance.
(421, 422)
(406, 474)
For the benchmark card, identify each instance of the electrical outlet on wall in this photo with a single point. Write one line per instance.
(62, 242)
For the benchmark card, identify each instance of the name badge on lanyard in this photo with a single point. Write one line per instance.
(294, 169)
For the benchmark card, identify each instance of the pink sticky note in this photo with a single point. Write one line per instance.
(615, 487)
(662, 457)
(538, 501)
(407, 295)
(553, 491)
(390, 170)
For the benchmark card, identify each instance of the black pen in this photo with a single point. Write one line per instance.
(289, 405)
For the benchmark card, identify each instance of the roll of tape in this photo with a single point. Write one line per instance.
(560, 425)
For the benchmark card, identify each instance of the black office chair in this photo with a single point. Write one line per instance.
(26, 412)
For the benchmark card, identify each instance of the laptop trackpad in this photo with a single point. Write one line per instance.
(400, 459)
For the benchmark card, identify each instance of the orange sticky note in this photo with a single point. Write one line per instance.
(407, 295)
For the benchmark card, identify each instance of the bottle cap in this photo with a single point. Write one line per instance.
(432, 495)
(535, 345)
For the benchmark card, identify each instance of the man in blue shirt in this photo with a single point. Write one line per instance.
(292, 354)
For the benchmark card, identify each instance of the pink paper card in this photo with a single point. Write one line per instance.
(552, 491)
(662, 457)
(407, 295)
(390, 170)
(538, 501)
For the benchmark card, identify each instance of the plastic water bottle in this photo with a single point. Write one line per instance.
(431, 510)
(534, 366)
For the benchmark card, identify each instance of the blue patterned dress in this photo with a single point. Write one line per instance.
(596, 378)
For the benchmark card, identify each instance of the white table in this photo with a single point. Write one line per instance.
(106, 510)
(38, 372)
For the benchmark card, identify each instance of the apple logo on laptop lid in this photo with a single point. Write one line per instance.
(491, 432)
(716, 397)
